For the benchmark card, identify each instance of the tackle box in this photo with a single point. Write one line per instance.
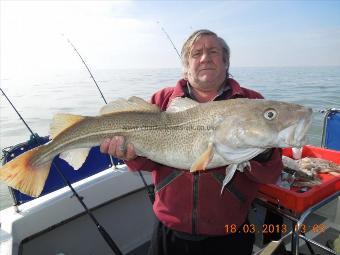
(296, 200)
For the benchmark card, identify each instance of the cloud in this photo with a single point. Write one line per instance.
(102, 31)
(125, 34)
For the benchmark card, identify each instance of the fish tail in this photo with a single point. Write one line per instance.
(20, 174)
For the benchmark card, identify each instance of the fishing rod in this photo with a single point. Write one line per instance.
(17, 113)
(151, 193)
(169, 38)
(100, 228)
(88, 69)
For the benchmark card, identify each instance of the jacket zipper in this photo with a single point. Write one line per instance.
(195, 202)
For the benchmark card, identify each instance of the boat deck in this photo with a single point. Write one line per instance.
(332, 231)
(132, 228)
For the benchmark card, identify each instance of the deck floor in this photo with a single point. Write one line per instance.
(331, 232)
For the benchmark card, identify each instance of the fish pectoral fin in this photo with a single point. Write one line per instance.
(20, 174)
(62, 121)
(202, 162)
(133, 104)
(179, 104)
(230, 171)
(76, 157)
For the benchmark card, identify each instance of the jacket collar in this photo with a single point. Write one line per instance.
(180, 89)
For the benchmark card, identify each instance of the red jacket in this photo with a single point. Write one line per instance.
(192, 203)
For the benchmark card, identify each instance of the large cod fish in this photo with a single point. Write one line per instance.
(188, 135)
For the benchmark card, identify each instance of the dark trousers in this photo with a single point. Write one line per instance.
(167, 242)
(272, 219)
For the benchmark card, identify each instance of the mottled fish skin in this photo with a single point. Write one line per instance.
(189, 136)
(178, 139)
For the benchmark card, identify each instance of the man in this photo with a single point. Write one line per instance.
(193, 217)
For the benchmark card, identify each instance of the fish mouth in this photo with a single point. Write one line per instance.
(301, 131)
(295, 135)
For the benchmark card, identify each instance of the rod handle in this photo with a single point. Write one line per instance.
(109, 241)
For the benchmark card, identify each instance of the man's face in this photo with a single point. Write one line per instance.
(206, 68)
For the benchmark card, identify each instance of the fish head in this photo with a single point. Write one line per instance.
(294, 122)
(263, 123)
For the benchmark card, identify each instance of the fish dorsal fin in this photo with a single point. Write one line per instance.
(62, 121)
(133, 104)
(179, 104)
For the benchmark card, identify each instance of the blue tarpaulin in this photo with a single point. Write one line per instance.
(331, 139)
(95, 163)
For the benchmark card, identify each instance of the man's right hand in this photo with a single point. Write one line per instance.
(118, 149)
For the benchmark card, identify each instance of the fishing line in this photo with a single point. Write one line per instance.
(150, 191)
(100, 228)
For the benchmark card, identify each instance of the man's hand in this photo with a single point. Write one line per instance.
(118, 149)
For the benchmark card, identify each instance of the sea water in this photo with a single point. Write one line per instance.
(38, 96)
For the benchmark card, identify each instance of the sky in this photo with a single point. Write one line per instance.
(128, 34)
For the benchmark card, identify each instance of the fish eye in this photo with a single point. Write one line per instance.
(270, 114)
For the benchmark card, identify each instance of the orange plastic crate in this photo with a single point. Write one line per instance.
(299, 202)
